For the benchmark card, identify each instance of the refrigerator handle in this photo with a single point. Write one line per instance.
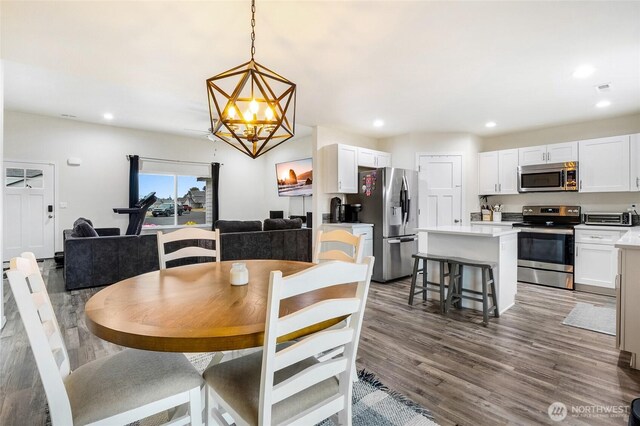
(407, 200)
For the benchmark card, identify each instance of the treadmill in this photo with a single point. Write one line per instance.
(137, 213)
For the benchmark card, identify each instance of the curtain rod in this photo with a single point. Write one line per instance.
(164, 160)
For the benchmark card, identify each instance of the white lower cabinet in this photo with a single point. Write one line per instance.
(354, 228)
(596, 259)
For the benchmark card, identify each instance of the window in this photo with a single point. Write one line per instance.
(182, 200)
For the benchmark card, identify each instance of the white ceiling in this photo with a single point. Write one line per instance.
(419, 66)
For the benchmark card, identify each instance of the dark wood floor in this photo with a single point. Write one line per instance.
(507, 373)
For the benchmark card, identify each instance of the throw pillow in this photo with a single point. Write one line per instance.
(226, 226)
(82, 219)
(82, 229)
(275, 224)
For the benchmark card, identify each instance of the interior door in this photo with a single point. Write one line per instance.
(29, 222)
(440, 191)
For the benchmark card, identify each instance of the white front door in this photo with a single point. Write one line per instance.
(440, 190)
(29, 223)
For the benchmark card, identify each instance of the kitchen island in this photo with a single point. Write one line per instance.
(496, 244)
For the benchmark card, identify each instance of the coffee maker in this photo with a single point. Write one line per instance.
(351, 213)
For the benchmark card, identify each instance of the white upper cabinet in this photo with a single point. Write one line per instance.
(498, 172)
(372, 158)
(532, 155)
(488, 173)
(604, 164)
(543, 154)
(341, 169)
(562, 152)
(634, 148)
(508, 171)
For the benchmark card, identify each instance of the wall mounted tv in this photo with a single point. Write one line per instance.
(295, 178)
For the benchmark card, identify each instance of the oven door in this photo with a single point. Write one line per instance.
(541, 180)
(546, 256)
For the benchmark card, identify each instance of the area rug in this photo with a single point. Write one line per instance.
(374, 404)
(601, 319)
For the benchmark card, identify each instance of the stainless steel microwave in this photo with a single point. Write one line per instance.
(548, 177)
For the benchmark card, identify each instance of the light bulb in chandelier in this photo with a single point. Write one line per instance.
(253, 106)
(268, 113)
(248, 116)
(231, 113)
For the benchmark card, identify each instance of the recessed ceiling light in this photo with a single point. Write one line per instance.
(583, 71)
(108, 116)
(603, 104)
(378, 123)
(490, 124)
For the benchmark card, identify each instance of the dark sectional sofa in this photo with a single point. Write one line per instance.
(111, 257)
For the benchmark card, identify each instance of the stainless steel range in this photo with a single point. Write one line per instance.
(546, 245)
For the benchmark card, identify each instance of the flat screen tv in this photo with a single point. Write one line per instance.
(295, 178)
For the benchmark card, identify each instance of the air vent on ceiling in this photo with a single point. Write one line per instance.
(604, 87)
(68, 115)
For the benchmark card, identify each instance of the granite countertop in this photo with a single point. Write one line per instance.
(348, 224)
(491, 223)
(630, 240)
(472, 231)
(607, 227)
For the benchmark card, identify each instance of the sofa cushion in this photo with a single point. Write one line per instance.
(83, 228)
(226, 226)
(275, 224)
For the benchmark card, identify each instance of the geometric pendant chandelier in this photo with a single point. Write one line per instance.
(251, 107)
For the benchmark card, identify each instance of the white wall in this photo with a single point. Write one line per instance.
(294, 149)
(323, 136)
(404, 148)
(619, 201)
(102, 181)
(2, 317)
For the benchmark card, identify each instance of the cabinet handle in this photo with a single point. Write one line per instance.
(499, 187)
(339, 185)
(548, 156)
(543, 156)
(638, 182)
(580, 183)
(495, 187)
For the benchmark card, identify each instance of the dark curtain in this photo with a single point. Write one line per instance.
(134, 188)
(215, 184)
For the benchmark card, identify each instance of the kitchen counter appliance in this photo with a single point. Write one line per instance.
(546, 245)
(612, 219)
(548, 177)
(389, 200)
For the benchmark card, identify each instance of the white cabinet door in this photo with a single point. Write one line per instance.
(383, 159)
(596, 265)
(532, 155)
(562, 152)
(488, 173)
(366, 157)
(508, 171)
(347, 169)
(634, 148)
(604, 164)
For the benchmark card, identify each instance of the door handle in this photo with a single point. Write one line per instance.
(456, 220)
(394, 241)
(50, 216)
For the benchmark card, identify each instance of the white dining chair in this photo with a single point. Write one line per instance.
(115, 390)
(342, 238)
(185, 234)
(286, 384)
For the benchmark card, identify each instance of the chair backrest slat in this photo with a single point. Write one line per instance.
(43, 331)
(317, 313)
(185, 234)
(326, 274)
(307, 378)
(317, 343)
(343, 238)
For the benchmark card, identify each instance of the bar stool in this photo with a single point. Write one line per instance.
(425, 282)
(457, 290)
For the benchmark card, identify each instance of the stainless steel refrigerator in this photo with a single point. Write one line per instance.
(389, 199)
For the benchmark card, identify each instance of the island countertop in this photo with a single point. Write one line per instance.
(473, 231)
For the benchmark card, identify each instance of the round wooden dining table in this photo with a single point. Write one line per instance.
(194, 308)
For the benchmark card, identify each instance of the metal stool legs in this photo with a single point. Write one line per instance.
(415, 289)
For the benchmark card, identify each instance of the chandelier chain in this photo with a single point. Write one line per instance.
(253, 28)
